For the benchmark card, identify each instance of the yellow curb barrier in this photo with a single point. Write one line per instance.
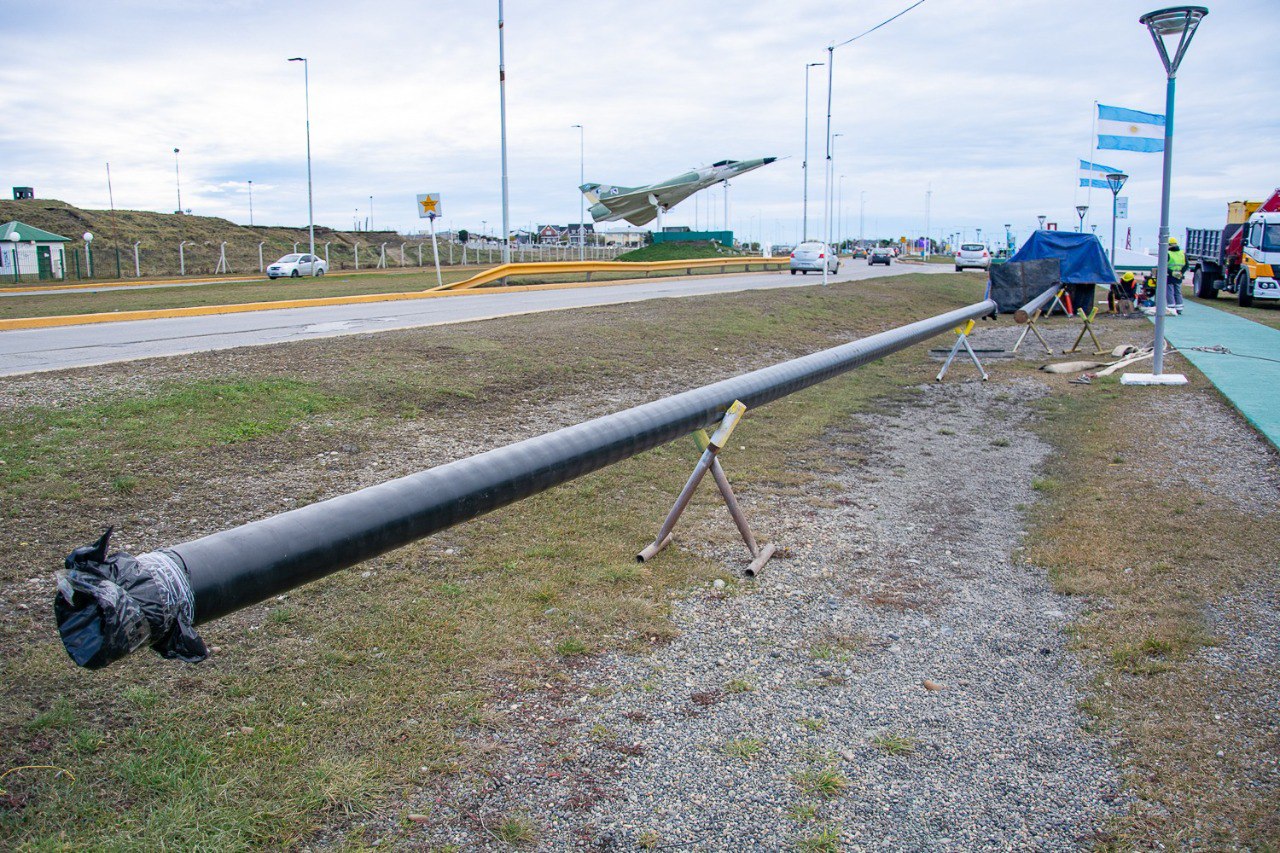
(19, 323)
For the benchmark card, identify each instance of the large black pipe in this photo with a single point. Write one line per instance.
(1024, 313)
(236, 568)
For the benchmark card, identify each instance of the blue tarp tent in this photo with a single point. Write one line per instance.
(1081, 264)
(1082, 259)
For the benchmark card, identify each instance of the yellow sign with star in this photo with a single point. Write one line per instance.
(428, 205)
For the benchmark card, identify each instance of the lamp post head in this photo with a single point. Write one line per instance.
(175, 151)
(14, 237)
(1081, 210)
(814, 64)
(88, 237)
(1115, 180)
(1180, 21)
(297, 59)
(1042, 219)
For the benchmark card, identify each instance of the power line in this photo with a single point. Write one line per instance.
(879, 25)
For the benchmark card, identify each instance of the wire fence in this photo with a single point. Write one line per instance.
(103, 260)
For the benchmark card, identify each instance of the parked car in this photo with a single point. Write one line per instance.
(973, 255)
(812, 256)
(294, 266)
(880, 255)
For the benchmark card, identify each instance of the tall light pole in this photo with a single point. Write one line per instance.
(862, 216)
(1081, 210)
(1180, 21)
(1041, 219)
(804, 231)
(1115, 181)
(306, 92)
(582, 179)
(839, 214)
(502, 110)
(371, 225)
(251, 204)
(177, 179)
(928, 199)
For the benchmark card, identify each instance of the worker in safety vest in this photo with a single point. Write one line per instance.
(1177, 268)
(1123, 290)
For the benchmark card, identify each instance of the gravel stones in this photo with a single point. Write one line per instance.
(896, 651)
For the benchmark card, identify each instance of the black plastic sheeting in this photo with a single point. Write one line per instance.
(108, 606)
(236, 568)
(1015, 283)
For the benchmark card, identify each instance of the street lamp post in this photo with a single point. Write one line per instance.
(502, 108)
(251, 204)
(582, 179)
(15, 238)
(88, 251)
(306, 92)
(1180, 21)
(1115, 181)
(177, 179)
(1081, 210)
(839, 214)
(804, 231)
(862, 217)
(1042, 218)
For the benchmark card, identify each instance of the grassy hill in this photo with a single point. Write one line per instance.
(675, 252)
(160, 233)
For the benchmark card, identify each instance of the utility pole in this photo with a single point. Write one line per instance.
(804, 232)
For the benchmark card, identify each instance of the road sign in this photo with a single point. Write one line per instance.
(428, 205)
(1122, 207)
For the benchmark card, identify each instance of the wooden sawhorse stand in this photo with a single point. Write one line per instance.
(962, 340)
(1088, 319)
(709, 461)
(1031, 322)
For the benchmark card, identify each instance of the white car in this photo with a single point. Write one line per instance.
(294, 266)
(973, 255)
(811, 255)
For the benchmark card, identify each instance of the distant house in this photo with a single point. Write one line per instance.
(35, 254)
(627, 239)
(549, 234)
(571, 233)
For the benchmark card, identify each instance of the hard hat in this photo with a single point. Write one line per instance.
(1173, 241)
(1127, 277)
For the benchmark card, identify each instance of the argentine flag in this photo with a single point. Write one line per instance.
(1095, 175)
(1120, 129)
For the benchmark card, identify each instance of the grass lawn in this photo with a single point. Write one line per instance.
(323, 705)
(319, 706)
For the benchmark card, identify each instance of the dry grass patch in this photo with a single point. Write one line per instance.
(1153, 557)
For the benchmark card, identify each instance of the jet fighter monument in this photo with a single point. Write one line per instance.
(641, 205)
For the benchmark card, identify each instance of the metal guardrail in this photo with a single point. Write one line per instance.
(503, 271)
(108, 606)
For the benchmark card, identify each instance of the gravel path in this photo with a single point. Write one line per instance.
(898, 620)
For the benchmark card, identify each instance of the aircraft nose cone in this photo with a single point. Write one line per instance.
(769, 160)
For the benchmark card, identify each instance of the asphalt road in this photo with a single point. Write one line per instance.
(34, 350)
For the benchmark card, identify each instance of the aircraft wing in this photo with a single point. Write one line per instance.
(636, 205)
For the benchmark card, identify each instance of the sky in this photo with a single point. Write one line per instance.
(977, 112)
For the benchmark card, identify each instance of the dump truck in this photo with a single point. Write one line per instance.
(1244, 257)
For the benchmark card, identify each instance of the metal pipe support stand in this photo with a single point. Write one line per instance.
(709, 461)
(1031, 324)
(962, 341)
(1088, 319)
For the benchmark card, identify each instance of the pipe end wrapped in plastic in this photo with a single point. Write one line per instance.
(109, 606)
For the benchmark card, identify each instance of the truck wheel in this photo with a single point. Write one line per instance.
(1206, 284)
(1243, 296)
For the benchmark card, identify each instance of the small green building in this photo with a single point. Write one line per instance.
(30, 252)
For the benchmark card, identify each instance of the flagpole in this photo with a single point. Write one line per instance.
(1093, 142)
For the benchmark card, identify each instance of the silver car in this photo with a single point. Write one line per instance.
(973, 255)
(811, 255)
(297, 265)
